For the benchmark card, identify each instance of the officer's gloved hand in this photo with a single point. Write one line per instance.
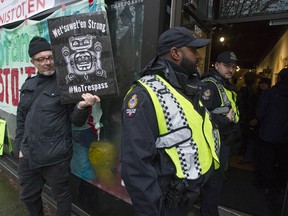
(175, 193)
(189, 198)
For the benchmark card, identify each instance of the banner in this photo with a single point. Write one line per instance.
(13, 11)
(83, 56)
(15, 64)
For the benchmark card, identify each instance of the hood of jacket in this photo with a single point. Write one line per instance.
(177, 76)
(281, 88)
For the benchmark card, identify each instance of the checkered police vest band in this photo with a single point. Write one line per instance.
(179, 133)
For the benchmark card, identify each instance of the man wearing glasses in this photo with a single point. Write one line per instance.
(219, 97)
(43, 134)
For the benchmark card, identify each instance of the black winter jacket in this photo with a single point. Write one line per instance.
(214, 101)
(43, 132)
(272, 113)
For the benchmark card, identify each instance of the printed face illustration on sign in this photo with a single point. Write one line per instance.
(81, 61)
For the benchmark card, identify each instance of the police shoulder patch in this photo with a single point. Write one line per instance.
(131, 106)
(206, 94)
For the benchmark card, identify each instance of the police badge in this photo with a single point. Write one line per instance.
(206, 94)
(131, 106)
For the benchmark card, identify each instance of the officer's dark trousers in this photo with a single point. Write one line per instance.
(211, 195)
(184, 211)
(33, 180)
(211, 192)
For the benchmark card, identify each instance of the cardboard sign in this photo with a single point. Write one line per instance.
(83, 56)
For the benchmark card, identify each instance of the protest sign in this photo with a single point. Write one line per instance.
(83, 56)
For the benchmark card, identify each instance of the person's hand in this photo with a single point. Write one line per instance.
(88, 101)
(253, 122)
(20, 154)
(229, 115)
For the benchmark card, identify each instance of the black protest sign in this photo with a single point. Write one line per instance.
(83, 56)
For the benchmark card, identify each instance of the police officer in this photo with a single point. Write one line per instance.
(219, 97)
(169, 146)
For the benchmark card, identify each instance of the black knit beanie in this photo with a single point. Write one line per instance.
(38, 44)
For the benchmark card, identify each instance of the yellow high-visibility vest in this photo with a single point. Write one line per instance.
(228, 100)
(188, 138)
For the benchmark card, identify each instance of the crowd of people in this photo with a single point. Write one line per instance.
(264, 128)
(248, 96)
(177, 129)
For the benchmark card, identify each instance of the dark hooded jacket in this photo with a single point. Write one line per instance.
(272, 113)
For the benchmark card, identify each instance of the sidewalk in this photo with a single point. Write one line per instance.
(10, 205)
(9, 199)
(239, 195)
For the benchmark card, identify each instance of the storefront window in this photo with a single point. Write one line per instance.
(236, 9)
(96, 152)
(189, 22)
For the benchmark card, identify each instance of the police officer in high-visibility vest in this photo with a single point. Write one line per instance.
(219, 97)
(169, 146)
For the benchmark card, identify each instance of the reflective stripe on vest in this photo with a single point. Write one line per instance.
(187, 137)
(228, 99)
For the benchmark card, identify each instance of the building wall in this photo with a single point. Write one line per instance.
(276, 59)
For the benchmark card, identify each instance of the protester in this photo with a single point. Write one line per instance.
(169, 146)
(43, 134)
(264, 83)
(248, 97)
(219, 97)
(273, 119)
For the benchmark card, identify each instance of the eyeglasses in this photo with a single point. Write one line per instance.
(43, 59)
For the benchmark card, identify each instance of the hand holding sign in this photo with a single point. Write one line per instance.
(88, 101)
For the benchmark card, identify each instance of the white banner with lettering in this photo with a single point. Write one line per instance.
(17, 10)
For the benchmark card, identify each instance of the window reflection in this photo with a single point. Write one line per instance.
(96, 158)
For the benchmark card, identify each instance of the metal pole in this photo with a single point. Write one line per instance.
(285, 202)
(176, 13)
